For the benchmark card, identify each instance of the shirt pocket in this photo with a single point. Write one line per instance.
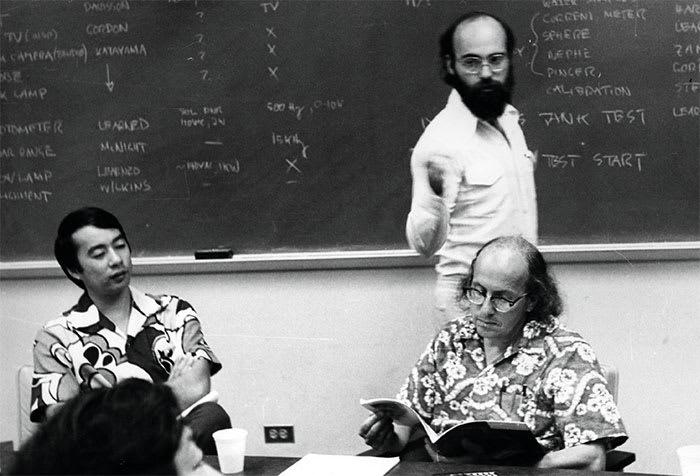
(483, 189)
(511, 401)
(483, 175)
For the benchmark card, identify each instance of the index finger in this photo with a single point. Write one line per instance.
(369, 423)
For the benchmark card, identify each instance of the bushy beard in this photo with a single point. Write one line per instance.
(488, 98)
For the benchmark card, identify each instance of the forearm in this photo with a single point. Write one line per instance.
(590, 456)
(427, 225)
(435, 185)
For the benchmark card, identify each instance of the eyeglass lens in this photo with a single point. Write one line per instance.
(474, 64)
(477, 297)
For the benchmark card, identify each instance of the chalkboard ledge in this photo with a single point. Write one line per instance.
(619, 252)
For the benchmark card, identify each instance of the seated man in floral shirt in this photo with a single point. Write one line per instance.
(115, 332)
(509, 358)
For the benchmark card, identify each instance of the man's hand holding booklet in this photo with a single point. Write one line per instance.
(506, 442)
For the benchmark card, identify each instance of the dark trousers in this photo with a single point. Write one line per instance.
(204, 420)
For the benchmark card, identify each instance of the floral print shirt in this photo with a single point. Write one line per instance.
(83, 349)
(550, 379)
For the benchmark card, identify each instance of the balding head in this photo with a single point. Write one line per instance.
(448, 36)
(524, 261)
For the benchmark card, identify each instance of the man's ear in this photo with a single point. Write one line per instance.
(74, 274)
(449, 64)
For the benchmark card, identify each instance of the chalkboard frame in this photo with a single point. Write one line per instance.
(337, 260)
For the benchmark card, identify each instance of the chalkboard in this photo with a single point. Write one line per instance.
(283, 125)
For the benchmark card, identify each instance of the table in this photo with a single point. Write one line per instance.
(258, 465)
(274, 465)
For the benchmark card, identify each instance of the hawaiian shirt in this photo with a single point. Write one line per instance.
(83, 349)
(550, 379)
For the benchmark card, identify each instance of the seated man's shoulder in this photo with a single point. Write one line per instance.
(564, 334)
(163, 305)
(155, 301)
(53, 327)
(81, 316)
(162, 299)
(458, 329)
(443, 136)
(567, 343)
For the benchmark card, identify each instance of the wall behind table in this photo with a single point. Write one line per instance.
(287, 125)
(301, 348)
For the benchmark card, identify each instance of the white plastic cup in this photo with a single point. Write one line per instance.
(230, 445)
(689, 457)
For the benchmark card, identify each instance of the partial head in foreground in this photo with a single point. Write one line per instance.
(131, 428)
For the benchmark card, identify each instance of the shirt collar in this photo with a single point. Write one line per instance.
(85, 314)
(532, 330)
(535, 329)
(145, 303)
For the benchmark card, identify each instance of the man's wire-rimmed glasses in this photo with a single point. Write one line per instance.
(499, 303)
(472, 64)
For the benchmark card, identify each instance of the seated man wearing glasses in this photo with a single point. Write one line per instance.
(509, 358)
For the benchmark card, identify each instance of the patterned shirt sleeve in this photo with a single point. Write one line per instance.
(53, 380)
(421, 390)
(193, 338)
(584, 409)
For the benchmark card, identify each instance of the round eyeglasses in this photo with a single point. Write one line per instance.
(500, 304)
(473, 64)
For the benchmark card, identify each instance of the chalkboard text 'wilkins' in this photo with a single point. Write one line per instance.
(125, 187)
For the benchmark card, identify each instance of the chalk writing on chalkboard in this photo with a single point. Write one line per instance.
(263, 126)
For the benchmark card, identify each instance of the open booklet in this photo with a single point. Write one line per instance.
(507, 442)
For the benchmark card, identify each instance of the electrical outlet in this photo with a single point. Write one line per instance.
(279, 434)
